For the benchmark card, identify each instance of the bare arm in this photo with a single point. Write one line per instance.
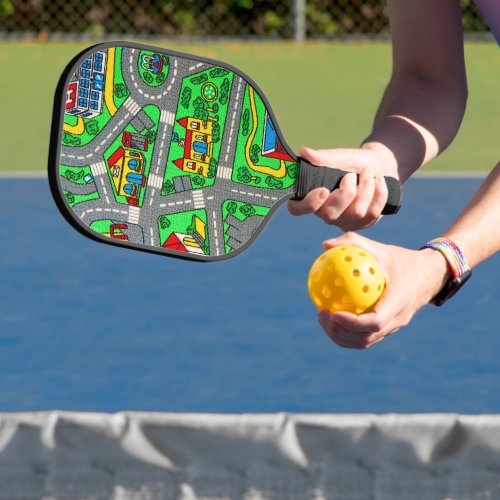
(425, 100)
(418, 117)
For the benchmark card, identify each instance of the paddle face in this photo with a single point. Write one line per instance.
(160, 151)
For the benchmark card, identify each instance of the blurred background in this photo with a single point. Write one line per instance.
(281, 19)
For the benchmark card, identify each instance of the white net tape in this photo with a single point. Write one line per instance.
(160, 456)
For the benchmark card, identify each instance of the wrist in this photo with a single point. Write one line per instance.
(437, 272)
(386, 157)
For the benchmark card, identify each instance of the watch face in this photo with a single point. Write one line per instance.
(451, 288)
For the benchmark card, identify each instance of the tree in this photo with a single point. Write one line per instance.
(212, 169)
(192, 227)
(254, 153)
(150, 135)
(216, 132)
(293, 171)
(200, 109)
(217, 72)
(199, 79)
(92, 127)
(73, 176)
(121, 90)
(243, 175)
(167, 188)
(274, 183)
(70, 197)
(231, 207)
(247, 210)
(186, 97)
(164, 221)
(166, 60)
(160, 77)
(198, 181)
(224, 91)
(215, 107)
(148, 77)
(246, 122)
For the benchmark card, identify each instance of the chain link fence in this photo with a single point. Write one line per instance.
(284, 19)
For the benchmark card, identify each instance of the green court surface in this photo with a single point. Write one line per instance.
(324, 95)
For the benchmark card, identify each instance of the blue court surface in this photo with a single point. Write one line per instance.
(92, 327)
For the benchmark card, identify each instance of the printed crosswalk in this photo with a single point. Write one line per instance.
(224, 172)
(134, 214)
(98, 168)
(132, 106)
(155, 181)
(167, 117)
(198, 199)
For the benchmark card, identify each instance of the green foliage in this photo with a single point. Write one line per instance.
(186, 97)
(216, 72)
(200, 109)
(192, 227)
(212, 169)
(148, 77)
(73, 176)
(246, 122)
(224, 92)
(150, 135)
(243, 175)
(231, 207)
(160, 77)
(254, 153)
(121, 91)
(198, 181)
(167, 188)
(216, 132)
(274, 183)
(215, 107)
(164, 221)
(70, 139)
(92, 127)
(196, 80)
(70, 197)
(166, 60)
(247, 210)
(293, 171)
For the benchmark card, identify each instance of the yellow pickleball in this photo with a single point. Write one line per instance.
(346, 278)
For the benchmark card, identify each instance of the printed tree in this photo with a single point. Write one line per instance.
(247, 210)
(212, 169)
(199, 79)
(198, 181)
(167, 188)
(293, 171)
(92, 127)
(254, 153)
(224, 91)
(121, 90)
(216, 132)
(164, 221)
(231, 207)
(246, 122)
(186, 97)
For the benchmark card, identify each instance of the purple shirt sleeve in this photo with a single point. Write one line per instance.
(490, 9)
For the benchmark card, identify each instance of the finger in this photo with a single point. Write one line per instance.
(338, 157)
(348, 238)
(365, 191)
(380, 195)
(311, 203)
(338, 334)
(338, 201)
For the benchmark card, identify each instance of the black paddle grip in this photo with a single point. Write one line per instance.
(312, 177)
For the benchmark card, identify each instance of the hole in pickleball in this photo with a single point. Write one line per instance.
(359, 309)
(339, 281)
(366, 289)
(331, 268)
(372, 270)
(356, 273)
(348, 258)
(317, 276)
(362, 254)
(327, 293)
(336, 306)
(346, 299)
(317, 301)
(379, 287)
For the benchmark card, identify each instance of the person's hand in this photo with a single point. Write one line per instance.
(351, 206)
(413, 278)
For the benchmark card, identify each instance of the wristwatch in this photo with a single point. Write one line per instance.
(460, 270)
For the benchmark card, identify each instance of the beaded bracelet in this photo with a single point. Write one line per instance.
(460, 269)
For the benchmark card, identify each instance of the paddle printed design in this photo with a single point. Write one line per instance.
(164, 152)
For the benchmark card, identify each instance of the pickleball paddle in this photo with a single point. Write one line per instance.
(171, 153)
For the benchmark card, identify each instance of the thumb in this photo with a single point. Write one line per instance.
(338, 158)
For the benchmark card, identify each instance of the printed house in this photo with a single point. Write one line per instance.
(198, 146)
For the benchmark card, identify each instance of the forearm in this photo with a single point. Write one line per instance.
(477, 230)
(416, 120)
